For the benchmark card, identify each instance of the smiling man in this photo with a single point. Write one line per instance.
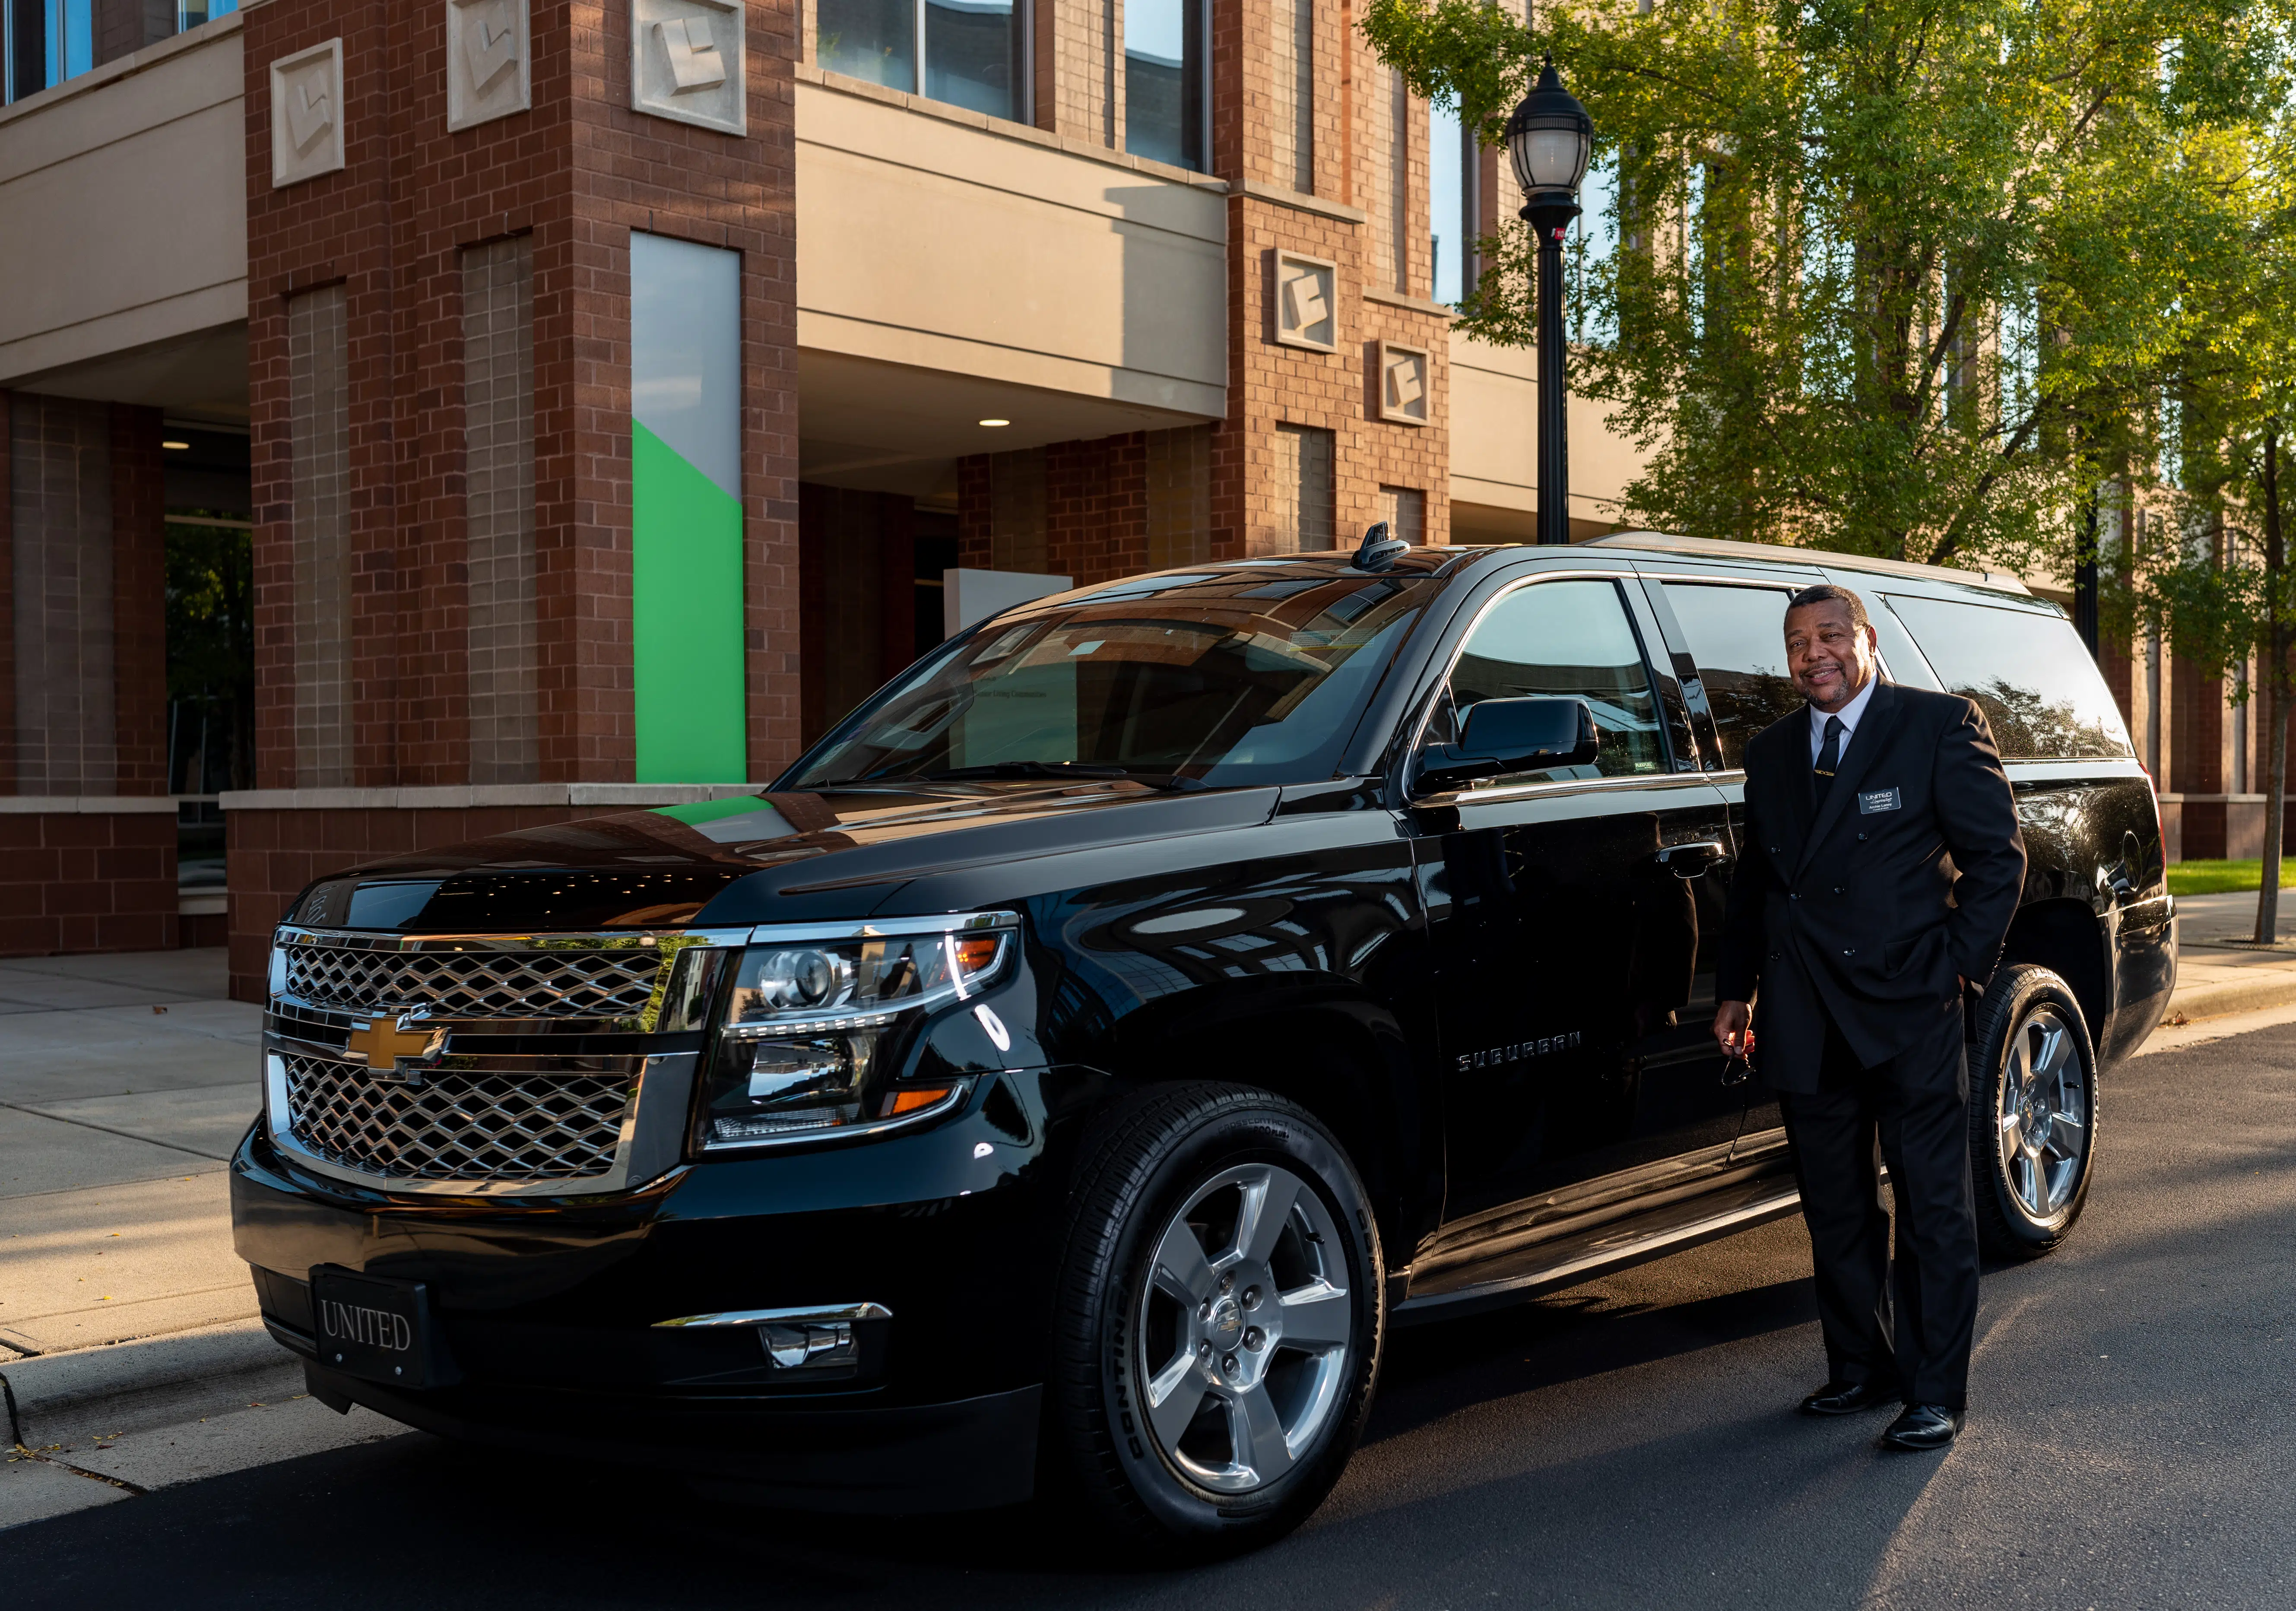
(1880, 867)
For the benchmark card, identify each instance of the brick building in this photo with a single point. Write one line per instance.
(426, 419)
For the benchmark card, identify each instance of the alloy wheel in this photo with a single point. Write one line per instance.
(2043, 1117)
(1244, 1329)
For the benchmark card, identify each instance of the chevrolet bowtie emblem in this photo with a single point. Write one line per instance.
(388, 1044)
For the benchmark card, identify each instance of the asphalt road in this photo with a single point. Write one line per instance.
(1628, 1443)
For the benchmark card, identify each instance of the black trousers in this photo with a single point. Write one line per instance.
(1913, 1109)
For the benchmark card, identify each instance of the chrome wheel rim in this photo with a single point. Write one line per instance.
(2043, 1114)
(1244, 1329)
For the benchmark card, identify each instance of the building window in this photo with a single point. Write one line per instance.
(974, 56)
(1293, 129)
(1452, 206)
(1304, 486)
(1179, 497)
(498, 507)
(45, 41)
(1405, 511)
(1167, 67)
(1399, 172)
(64, 722)
(319, 529)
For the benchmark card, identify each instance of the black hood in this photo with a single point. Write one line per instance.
(757, 858)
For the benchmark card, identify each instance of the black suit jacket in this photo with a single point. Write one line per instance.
(1865, 908)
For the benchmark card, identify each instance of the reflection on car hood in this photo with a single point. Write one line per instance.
(761, 858)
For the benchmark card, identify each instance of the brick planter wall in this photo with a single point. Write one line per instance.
(80, 879)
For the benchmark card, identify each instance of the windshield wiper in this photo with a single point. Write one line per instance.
(1172, 781)
(1028, 769)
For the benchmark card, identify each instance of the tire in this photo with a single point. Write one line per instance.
(1220, 1309)
(2032, 1112)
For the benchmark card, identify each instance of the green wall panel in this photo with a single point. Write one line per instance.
(685, 613)
(685, 469)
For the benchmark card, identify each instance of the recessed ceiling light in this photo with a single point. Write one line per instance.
(996, 422)
(179, 447)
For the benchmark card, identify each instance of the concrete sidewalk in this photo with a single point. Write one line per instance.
(2219, 969)
(125, 1082)
(131, 1354)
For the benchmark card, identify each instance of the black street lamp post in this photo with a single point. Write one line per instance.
(1547, 140)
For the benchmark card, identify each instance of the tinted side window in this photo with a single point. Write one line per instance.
(2027, 672)
(1570, 638)
(1738, 636)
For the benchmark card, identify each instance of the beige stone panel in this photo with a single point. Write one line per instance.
(925, 241)
(1495, 441)
(1143, 399)
(150, 148)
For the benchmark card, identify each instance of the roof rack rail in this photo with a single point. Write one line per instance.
(1668, 543)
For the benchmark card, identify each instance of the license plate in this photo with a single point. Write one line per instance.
(370, 1327)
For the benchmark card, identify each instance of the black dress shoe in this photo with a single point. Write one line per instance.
(1848, 1398)
(1923, 1427)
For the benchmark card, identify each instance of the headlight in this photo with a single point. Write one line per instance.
(797, 1055)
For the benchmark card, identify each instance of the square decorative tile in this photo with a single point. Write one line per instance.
(307, 114)
(686, 63)
(488, 75)
(1307, 302)
(1403, 383)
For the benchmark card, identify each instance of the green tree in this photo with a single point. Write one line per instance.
(2219, 582)
(1894, 276)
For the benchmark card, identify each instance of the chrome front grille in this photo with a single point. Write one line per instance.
(445, 984)
(468, 1125)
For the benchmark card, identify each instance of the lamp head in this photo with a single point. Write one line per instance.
(1548, 139)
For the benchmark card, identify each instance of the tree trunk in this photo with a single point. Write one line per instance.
(2277, 680)
(2275, 793)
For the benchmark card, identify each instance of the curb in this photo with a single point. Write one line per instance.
(58, 1398)
(2217, 1000)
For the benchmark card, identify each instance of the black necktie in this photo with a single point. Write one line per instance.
(1829, 757)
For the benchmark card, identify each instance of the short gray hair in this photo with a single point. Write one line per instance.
(1826, 593)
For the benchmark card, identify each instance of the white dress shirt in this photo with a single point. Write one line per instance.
(1849, 716)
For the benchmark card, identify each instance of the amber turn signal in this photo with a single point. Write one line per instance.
(910, 1100)
(976, 952)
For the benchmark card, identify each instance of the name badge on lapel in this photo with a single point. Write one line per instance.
(1878, 799)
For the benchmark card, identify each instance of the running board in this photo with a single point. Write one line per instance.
(1598, 1254)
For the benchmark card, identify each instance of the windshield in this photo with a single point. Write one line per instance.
(1223, 678)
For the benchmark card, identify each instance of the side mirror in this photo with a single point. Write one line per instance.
(1505, 736)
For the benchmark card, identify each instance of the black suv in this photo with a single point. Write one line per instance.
(1064, 1075)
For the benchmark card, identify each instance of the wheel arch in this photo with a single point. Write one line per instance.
(1345, 1060)
(2066, 937)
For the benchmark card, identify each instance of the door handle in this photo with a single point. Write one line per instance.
(1689, 860)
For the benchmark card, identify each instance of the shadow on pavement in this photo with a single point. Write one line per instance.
(419, 1521)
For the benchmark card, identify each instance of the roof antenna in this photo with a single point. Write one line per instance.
(1379, 550)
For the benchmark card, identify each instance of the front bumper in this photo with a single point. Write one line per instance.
(548, 1310)
(973, 1454)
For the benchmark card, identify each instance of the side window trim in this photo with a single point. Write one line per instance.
(1656, 582)
(1441, 685)
(1687, 687)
